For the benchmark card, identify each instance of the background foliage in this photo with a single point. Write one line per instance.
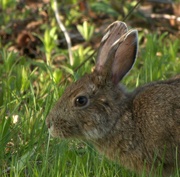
(35, 69)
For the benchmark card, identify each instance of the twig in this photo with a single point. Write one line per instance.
(132, 10)
(68, 40)
(87, 59)
(78, 67)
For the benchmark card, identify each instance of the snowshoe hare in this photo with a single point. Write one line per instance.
(139, 130)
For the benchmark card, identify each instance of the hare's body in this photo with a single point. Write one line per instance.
(147, 132)
(141, 129)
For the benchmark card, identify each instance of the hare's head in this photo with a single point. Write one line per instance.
(89, 106)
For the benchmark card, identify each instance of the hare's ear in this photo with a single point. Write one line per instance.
(115, 59)
(114, 32)
(125, 56)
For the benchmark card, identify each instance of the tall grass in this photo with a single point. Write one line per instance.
(29, 89)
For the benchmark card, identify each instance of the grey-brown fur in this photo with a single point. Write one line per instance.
(140, 130)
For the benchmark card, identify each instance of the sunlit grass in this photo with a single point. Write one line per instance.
(28, 94)
(30, 87)
(158, 59)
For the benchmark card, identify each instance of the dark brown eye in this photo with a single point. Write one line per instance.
(81, 101)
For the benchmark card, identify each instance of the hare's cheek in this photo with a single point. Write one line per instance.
(91, 134)
(90, 131)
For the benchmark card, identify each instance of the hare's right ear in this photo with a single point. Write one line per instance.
(115, 59)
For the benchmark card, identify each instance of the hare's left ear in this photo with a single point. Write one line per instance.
(117, 52)
(113, 33)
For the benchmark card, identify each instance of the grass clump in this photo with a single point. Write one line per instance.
(30, 86)
(29, 89)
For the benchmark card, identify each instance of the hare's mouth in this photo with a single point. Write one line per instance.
(51, 132)
(54, 133)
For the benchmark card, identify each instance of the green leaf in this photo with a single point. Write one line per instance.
(67, 69)
(86, 30)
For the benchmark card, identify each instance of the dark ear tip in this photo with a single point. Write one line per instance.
(132, 32)
(135, 32)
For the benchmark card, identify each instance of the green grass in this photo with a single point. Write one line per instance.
(30, 87)
(28, 90)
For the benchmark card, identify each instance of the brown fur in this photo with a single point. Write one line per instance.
(140, 130)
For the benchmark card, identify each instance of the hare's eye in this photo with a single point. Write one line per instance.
(81, 101)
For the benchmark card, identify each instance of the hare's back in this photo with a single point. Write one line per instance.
(159, 101)
(157, 115)
(157, 110)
